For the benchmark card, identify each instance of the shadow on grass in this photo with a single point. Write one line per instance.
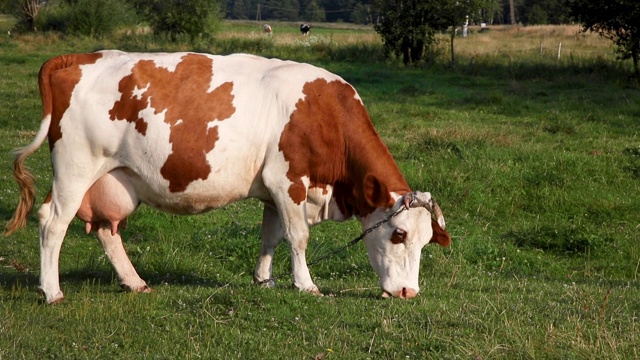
(16, 281)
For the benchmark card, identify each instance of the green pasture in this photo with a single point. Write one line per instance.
(535, 162)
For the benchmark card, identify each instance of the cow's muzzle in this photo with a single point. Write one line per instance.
(404, 293)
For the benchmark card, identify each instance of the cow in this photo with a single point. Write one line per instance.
(304, 29)
(266, 28)
(187, 132)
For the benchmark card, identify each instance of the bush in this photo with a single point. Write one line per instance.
(94, 18)
(361, 14)
(176, 18)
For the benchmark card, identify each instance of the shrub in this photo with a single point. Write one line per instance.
(176, 18)
(94, 18)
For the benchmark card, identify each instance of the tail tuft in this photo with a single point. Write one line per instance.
(25, 180)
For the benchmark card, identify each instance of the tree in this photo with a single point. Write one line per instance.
(617, 20)
(408, 27)
(93, 18)
(337, 10)
(512, 12)
(287, 10)
(543, 12)
(26, 12)
(30, 10)
(455, 12)
(361, 14)
(313, 12)
(240, 9)
(180, 17)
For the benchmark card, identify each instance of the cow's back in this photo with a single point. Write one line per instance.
(193, 131)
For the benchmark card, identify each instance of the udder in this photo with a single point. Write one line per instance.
(108, 202)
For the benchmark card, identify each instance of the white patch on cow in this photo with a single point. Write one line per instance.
(398, 265)
(96, 94)
(137, 92)
(251, 135)
(170, 63)
(322, 206)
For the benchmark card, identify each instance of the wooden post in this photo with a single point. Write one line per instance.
(559, 49)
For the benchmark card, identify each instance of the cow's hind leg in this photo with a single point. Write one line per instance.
(49, 254)
(112, 244)
(271, 234)
(54, 221)
(105, 208)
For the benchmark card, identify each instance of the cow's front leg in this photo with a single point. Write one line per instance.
(301, 276)
(293, 220)
(271, 234)
(112, 244)
(296, 231)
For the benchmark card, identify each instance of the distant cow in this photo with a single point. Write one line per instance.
(304, 29)
(266, 28)
(186, 133)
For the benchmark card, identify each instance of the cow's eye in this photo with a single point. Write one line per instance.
(398, 236)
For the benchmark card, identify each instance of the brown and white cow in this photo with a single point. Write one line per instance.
(186, 133)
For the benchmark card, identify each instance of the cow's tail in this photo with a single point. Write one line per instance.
(25, 179)
(21, 173)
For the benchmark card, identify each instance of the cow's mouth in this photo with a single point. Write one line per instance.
(405, 293)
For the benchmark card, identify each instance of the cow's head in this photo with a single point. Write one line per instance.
(394, 248)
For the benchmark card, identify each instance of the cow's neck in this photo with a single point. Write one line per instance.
(368, 158)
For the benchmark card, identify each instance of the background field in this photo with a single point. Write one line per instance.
(535, 161)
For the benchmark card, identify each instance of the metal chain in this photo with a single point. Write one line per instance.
(349, 244)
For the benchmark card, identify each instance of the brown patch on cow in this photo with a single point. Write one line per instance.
(61, 73)
(331, 140)
(190, 107)
(440, 236)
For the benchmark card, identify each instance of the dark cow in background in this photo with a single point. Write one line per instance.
(304, 29)
(186, 133)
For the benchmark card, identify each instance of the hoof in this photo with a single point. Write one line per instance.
(137, 289)
(268, 283)
(53, 299)
(314, 291)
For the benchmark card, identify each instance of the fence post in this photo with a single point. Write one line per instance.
(559, 49)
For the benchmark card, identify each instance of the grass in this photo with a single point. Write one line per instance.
(535, 162)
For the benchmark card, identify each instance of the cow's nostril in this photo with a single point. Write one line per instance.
(407, 293)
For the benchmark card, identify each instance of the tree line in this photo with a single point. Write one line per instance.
(407, 27)
(526, 12)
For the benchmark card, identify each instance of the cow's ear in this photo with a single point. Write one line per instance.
(375, 192)
(440, 236)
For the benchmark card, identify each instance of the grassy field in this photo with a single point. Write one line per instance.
(534, 160)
